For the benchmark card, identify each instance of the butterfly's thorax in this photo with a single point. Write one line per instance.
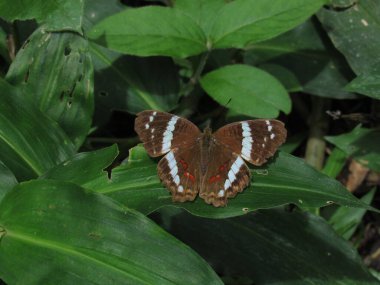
(206, 142)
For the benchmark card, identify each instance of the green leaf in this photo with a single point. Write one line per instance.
(30, 142)
(366, 84)
(55, 233)
(247, 90)
(355, 32)
(243, 22)
(58, 14)
(361, 144)
(90, 165)
(346, 220)
(7, 180)
(335, 163)
(286, 179)
(274, 247)
(55, 70)
(151, 31)
(327, 71)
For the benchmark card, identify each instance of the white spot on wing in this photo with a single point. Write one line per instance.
(270, 127)
(267, 122)
(263, 145)
(168, 134)
(154, 113)
(227, 184)
(150, 118)
(146, 126)
(180, 188)
(176, 179)
(247, 140)
(364, 22)
(272, 136)
(221, 193)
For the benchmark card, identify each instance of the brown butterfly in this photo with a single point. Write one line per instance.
(207, 163)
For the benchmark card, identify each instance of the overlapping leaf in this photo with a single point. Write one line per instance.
(53, 232)
(55, 69)
(30, 142)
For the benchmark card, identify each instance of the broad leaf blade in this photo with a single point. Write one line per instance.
(55, 70)
(247, 90)
(367, 84)
(30, 143)
(274, 247)
(243, 22)
(90, 165)
(355, 32)
(151, 31)
(54, 232)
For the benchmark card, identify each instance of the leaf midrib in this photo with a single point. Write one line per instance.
(59, 247)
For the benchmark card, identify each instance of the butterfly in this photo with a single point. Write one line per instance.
(211, 164)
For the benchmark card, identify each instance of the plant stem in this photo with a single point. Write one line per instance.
(318, 123)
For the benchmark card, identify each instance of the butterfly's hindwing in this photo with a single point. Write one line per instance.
(179, 172)
(227, 174)
(254, 140)
(160, 132)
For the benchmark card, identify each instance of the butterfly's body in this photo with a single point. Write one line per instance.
(207, 163)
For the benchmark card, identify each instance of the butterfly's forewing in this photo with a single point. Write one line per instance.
(180, 173)
(166, 133)
(226, 175)
(254, 140)
(161, 132)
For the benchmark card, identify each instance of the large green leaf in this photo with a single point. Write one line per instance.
(319, 68)
(53, 232)
(247, 90)
(243, 22)
(362, 144)
(151, 31)
(367, 84)
(30, 142)
(274, 247)
(355, 31)
(286, 179)
(55, 70)
(57, 14)
(7, 180)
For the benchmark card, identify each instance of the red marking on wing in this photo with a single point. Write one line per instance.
(188, 175)
(222, 168)
(215, 178)
(184, 164)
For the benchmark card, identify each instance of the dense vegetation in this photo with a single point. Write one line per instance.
(80, 200)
